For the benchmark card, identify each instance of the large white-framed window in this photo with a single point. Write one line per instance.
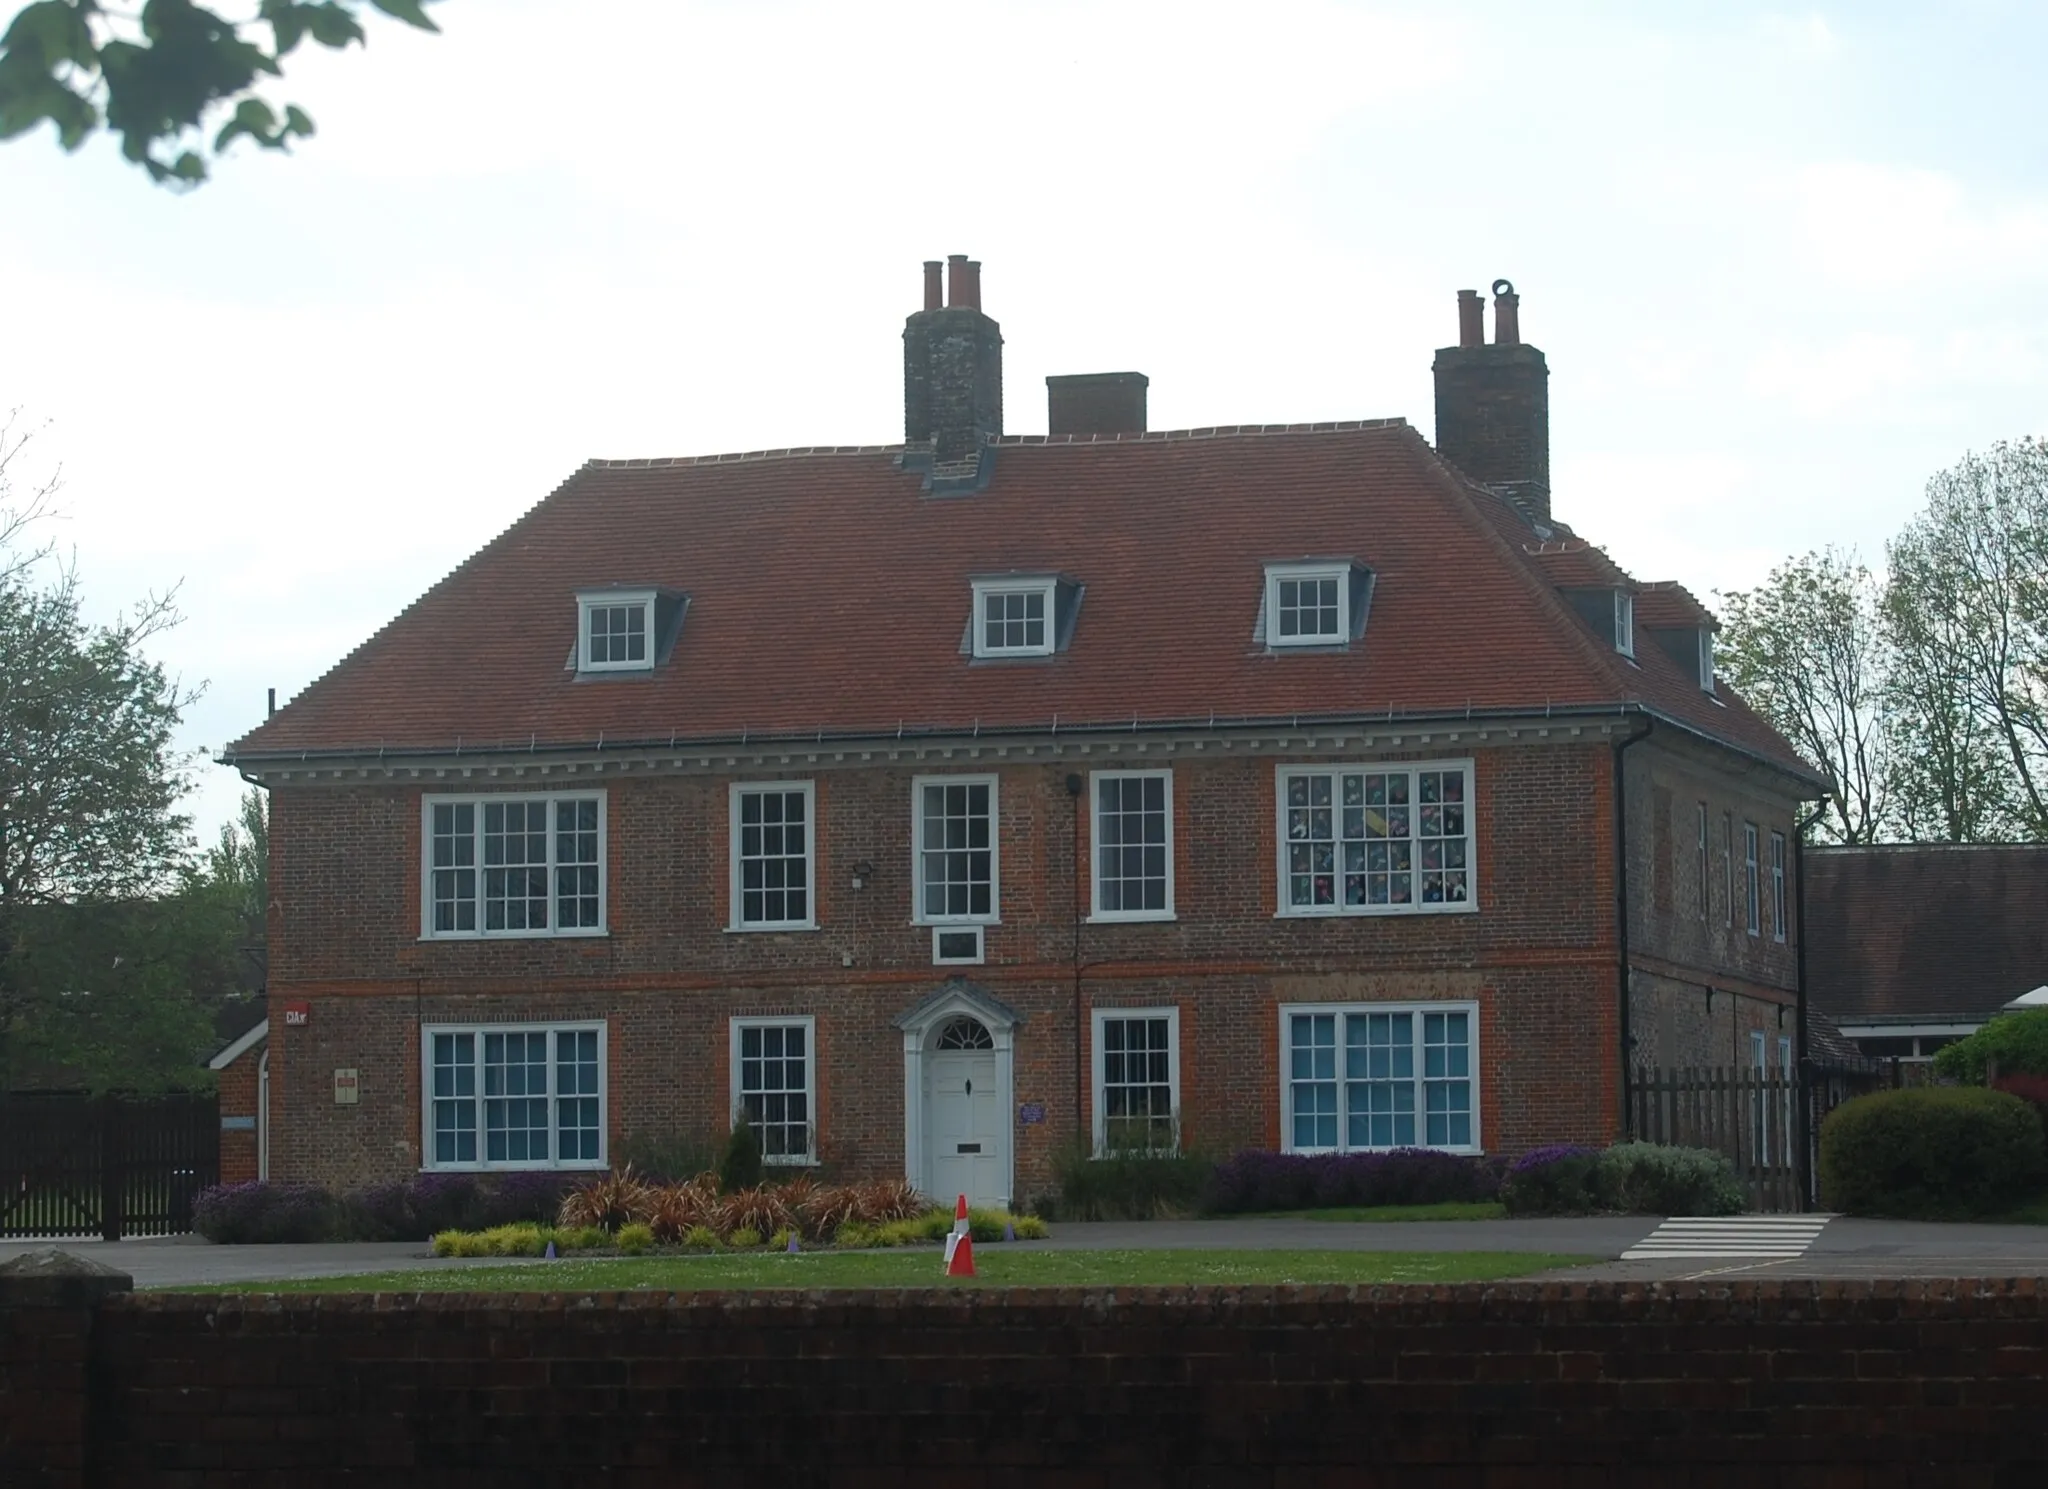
(774, 856)
(1377, 839)
(1308, 604)
(1137, 1080)
(504, 865)
(775, 1084)
(505, 1096)
(1379, 1075)
(1752, 897)
(1133, 842)
(615, 631)
(1625, 623)
(956, 864)
(1777, 886)
(1015, 617)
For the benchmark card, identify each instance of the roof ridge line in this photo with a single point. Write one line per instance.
(798, 452)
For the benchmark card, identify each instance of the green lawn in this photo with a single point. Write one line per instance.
(921, 1268)
(1456, 1210)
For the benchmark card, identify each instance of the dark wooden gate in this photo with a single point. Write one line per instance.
(107, 1166)
(1747, 1115)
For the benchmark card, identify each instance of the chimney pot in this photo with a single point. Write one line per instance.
(1493, 404)
(1471, 318)
(1507, 316)
(952, 366)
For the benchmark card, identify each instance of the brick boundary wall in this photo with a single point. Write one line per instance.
(1761, 1383)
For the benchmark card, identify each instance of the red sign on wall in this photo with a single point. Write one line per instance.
(297, 1014)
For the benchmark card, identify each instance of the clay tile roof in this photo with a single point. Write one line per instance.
(828, 597)
(1667, 604)
(1927, 930)
(1573, 563)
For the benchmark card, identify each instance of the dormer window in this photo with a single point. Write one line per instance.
(1314, 603)
(1014, 617)
(1625, 623)
(1706, 660)
(615, 632)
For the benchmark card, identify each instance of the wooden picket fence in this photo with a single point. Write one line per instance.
(107, 1166)
(1747, 1114)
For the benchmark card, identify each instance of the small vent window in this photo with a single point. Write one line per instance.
(965, 1034)
(1625, 623)
(1013, 618)
(616, 633)
(1706, 660)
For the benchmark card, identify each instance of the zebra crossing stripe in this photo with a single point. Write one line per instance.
(1732, 1235)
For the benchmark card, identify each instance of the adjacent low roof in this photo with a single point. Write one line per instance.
(1939, 930)
(829, 595)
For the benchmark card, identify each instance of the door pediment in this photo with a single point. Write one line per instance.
(957, 996)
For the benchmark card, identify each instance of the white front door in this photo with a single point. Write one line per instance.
(965, 1129)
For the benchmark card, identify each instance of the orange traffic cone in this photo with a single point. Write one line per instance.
(960, 1244)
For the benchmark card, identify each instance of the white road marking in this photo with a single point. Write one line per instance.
(1729, 1236)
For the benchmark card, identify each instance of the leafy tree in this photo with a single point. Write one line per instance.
(157, 75)
(106, 929)
(1968, 611)
(1806, 649)
(237, 870)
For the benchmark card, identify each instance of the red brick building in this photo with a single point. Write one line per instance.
(935, 802)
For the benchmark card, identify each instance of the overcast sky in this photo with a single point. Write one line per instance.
(1785, 264)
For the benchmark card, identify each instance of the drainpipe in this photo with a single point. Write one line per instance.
(1802, 1101)
(1621, 747)
(1076, 785)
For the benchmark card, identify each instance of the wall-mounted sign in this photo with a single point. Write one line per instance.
(237, 1124)
(297, 1014)
(1031, 1114)
(346, 1085)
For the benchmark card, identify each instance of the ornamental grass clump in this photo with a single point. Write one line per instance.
(673, 1210)
(608, 1201)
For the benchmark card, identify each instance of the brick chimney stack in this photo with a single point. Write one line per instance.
(1493, 403)
(952, 367)
(1096, 403)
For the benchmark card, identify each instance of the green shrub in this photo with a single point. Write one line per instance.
(582, 1238)
(857, 1234)
(739, 1167)
(701, 1238)
(1930, 1152)
(780, 1240)
(1551, 1181)
(635, 1238)
(1651, 1179)
(744, 1239)
(2018, 1041)
(1126, 1185)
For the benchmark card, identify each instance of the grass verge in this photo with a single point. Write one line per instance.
(921, 1269)
(1373, 1214)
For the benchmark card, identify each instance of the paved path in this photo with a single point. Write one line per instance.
(1843, 1248)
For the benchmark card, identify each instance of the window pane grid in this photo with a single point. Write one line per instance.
(514, 866)
(1137, 1084)
(1358, 840)
(1013, 620)
(515, 1098)
(1133, 871)
(1308, 609)
(618, 635)
(774, 857)
(956, 851)
(1406, 1080)
(775, 1092)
